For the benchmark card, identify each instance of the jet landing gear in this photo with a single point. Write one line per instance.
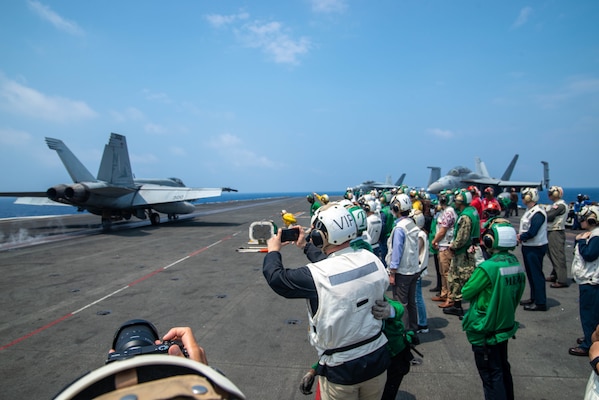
(106, 224)
(154, 218)
(173, 217)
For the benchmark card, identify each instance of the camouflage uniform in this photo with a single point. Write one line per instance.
(462, 263)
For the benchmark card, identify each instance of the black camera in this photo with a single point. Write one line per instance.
(137, 337)
(290, 235)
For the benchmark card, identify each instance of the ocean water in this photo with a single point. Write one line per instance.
(10, 210)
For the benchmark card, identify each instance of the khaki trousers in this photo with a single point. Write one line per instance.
(371, 389)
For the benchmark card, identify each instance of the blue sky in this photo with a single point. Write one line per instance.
(300, 95)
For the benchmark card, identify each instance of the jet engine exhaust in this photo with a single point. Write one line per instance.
(77, 193)
(56, 192)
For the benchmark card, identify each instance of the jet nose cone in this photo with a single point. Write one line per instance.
(435, 188)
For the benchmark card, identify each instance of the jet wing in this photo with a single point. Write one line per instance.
(22, 194)
(39, 201)
(154, 194)
(500, 183)
(32, 198)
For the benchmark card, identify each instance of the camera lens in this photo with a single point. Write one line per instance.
(134, 333)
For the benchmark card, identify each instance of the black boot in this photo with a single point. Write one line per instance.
(456, 309)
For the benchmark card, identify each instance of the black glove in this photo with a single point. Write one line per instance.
(307, 382)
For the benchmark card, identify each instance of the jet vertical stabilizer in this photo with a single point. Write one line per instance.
(434, 176)
(481, 168)
(545, 175)
(76, 170)
(507, 175)
(115, 167)
(400, 180)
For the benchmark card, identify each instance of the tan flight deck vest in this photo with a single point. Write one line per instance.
(559, 223)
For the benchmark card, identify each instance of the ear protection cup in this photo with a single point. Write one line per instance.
(316, 238)
(556, 191)
(395, 208)
(318, 235)
(442, 199)
(488, 239)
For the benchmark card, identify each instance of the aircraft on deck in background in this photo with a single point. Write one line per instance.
(462, 177)
(115, 194)
(367, 186)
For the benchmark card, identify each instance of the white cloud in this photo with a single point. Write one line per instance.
(442, 134)
(23, 100)
(177, 151)
(225, 140)
(159, 97)
(575, 87)
(147, 158)
(59, 22)
(522, 17)
(155, 129)
(129, 114)
(14, 137)
(232, 149)
(272, 39)
(218, 20)
(328, 6)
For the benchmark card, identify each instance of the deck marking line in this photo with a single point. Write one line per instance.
(161, 269)
(35, 332)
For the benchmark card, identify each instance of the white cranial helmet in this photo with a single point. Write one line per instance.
(530, 194)
(401, 202)
(418, 217)
(334, 225)
(556, 191)
(590, 214)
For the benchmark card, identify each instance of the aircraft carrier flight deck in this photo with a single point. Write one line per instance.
(66, 287)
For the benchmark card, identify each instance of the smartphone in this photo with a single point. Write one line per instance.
(290, 235)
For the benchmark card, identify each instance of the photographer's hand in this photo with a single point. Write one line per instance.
(274, 243)
(185, 335)
(301, 240)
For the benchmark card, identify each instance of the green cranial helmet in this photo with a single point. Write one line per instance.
(463, 197)
(499, 235)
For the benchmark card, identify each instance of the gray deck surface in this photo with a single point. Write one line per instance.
(61, 302)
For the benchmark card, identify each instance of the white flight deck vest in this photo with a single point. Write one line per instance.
(541, 237)
(585, 272)
(373, 232)
(446, 240)
(348, 283)
(423, 256)
(408, 265)
(559, 223)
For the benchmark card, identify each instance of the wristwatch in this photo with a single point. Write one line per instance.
(594, 364)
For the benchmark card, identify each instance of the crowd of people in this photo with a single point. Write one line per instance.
(472, 246)
(359, 247)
